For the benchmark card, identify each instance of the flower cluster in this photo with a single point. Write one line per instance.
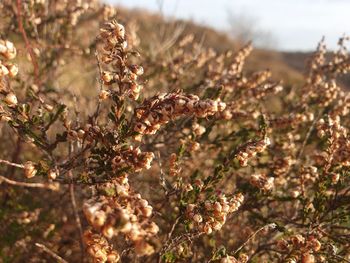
(27, 217)
(262, 182)
(122, 211)
(338, 139)
(7, 49)
(29, 169)
(198, 129)
(300, 248)
(308, 173)
(291, 120)
(243, 258)
(115, 54)
(239, 59)
(250, 149)
(161, 109)
(173, 165)
(211, 215)
(128, 157)
(98, 248)
(281, 166)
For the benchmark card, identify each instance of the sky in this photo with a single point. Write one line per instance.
(293, 24)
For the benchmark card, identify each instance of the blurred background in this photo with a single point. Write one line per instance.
(284, 25)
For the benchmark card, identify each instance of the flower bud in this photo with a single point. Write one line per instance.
(107, 76)
(11, 99)
(12, 69)
(103, 95)
(197, 218)
(52, 174)
(29, 169)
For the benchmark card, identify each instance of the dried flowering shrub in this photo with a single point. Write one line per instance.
(168, 155)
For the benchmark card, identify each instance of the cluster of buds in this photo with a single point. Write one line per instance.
(281, 166)
(292, 120)
(7, 49)
(174, 169)
(342, 107)
(198, 129)
(129, 157)
(8, 69)
(231, 112)
(265, 89)
(250, 149)
(11, 99)
(88, 133)
(338, 139)
(122, 211)
(238, 61)
(28, 217)
(329, 91)
(165, 107)
(262, 182)
(289, 142)
(192, 146)
(98, 248)
(211, 215)
(308, 173)
(78, 11)
(318, 87)
(29, 169)
(257, 79)
(115, 53)
(300, 248)
(243, 258)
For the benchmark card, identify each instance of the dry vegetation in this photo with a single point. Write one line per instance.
(126, 138)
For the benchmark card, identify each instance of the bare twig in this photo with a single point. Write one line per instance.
(76, 215)
(162, 180)
(173, 227)
(272, 225)
(50, 186)
(341, 258)
(12, 164)
(308, 134)
(14, 159)
(176, 241)
(99, 80)
(26, 40)
(51, 253)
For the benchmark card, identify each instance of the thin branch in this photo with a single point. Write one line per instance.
(341, 258)
(162, 179)
(99, 80)
(173, 228)
(53, 187)
(12, 164)
(26, 40)
(14, 159)
(178, 241)
(76, 215)
(308, 134)
(272, 225)
(51, 253)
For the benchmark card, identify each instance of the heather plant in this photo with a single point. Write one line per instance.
(174, 155)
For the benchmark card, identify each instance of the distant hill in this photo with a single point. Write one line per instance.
(260, 59)
(289, 66)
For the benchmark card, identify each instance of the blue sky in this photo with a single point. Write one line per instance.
(294, 24)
